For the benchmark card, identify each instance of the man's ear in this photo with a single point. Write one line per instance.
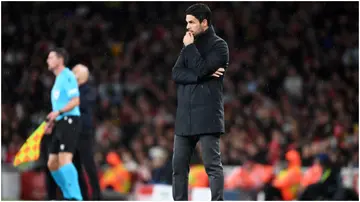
(205, 23)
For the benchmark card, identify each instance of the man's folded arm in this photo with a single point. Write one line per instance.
(181, 74)
(218, 57)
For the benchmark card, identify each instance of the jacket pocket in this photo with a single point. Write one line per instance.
(201, 96)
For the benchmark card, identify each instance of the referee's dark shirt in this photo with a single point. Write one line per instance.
(87, 101)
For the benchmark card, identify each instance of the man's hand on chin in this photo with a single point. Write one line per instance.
(188, 38)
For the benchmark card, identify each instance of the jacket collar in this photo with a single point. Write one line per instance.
(209, 32)
(84, 86)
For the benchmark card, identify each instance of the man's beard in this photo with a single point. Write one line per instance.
(201, 32)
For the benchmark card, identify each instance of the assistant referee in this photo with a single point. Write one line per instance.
(65, 115)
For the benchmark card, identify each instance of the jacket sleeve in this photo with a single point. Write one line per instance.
(182, 74)
(218, 57)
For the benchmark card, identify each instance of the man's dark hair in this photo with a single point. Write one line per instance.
(61, 52)
(200, 11)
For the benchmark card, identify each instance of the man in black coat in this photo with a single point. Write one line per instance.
(85, 153)
(198, 73)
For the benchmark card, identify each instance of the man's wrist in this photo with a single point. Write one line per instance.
(187, 44)
(60, 112)
(188, 48)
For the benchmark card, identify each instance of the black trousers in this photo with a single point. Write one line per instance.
(84, 157)
(184, 147)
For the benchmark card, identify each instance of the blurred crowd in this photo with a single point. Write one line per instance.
(292, 82)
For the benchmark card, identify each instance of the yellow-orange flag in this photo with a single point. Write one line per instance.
(30, 151)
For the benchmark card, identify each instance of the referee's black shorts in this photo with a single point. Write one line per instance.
(66, 135)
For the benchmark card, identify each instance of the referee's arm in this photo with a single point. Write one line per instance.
(218, 57)
(72, 90)
(52, 116)
(73, 103)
